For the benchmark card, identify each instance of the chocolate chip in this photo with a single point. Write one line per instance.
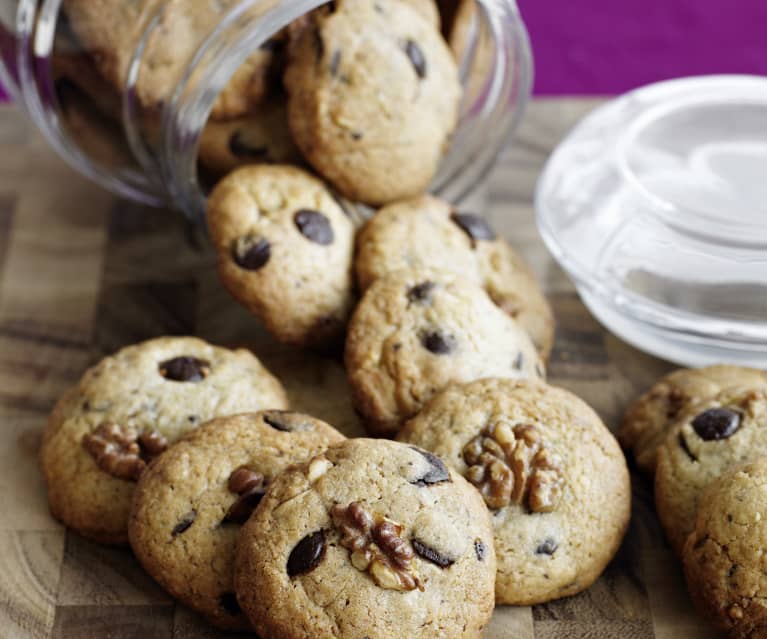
(185, 369)
(438, 472)
(241, 510)
(241, 149)
(474, 226)
(683, 445)
(335, 62)
(421, 292)
(717, 423)
(547, 547)
(480, 549)
(417, 58)
(519, 361)
(252, 253)
(319, 45)
(185, 524)
(430, 554)
(228, 601)
(438, 343)
(307, 554)
(276, 419)
(314, 226)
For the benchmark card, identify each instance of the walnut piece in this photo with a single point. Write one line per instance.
(512, 465)
(376, 546)
(121, 451)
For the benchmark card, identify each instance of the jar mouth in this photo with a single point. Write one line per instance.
(697, 156)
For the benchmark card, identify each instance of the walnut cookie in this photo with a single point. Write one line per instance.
(285, 250)
(128, 409)
(428, 232)
(371, 539)
(416, 331)
(648, 420)
(709, 439)
(550, 471)
(190, 504)
(724, 559)
(373, 98)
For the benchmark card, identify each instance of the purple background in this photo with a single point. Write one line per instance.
(611, 46)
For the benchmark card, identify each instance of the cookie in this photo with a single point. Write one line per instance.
(285, 250)
(373, 98)
(371, 539)
(126, 410)
(427, 9)
(190, 504)
(724, 559)
(262, 137)
(710, 438)
(429, 232)
(648, 420)
(416, 331)
(553, 476)
(110, 31)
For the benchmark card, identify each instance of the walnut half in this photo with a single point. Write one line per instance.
(513, 465)
(377, 546)
(121, 451)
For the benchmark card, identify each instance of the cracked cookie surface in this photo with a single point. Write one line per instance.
(553, 475)
(418, 330)
(285, 249)
(126, 409)
(372, 538)
(429, 232)
(190, 504)
(373, 98)
(710, 438)
(649, 419)
(724, 561)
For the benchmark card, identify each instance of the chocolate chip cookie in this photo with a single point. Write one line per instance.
(724, 555)
(190, 504)
(285, 250)
(371, 539)
(551, 473)
(418, 330)
(373, 98)
(648, 420)
(710, 438)
(262, 137)
(429, 232)
(127, 410)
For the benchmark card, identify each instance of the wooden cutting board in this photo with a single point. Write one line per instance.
(82, 274)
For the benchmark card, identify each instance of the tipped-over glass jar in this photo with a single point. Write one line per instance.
(126, 99)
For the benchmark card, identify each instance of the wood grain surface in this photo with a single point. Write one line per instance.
(82, 274)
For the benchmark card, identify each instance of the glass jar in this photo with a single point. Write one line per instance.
(151, 154)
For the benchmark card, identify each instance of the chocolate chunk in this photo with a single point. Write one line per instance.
(480, 549)
(547, 547)
(683, 445)
(438, 343)
(314, 226)
(474, 226)
(717, 423)
(307, 554)
(252, 253)
(228, 601)
(421, 292)
(335, 62)
(430, 554)
(276, 419)
(185, 524)
(241, 149)
(319, 45)
(417, 58)
(185, 369)
(438, 472)
(241, 510)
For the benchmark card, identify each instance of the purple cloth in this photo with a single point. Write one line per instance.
(611, 46)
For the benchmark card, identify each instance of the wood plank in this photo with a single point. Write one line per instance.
(125, 622)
